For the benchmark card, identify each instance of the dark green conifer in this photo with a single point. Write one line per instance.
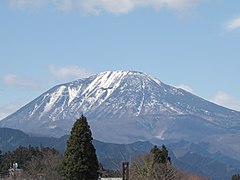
(160, 155)
(236, 177)
(80, 160)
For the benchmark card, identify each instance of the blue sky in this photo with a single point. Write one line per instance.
(193, 44)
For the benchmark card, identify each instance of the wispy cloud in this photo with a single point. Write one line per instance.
(20, 81)
(185, 87)
(221, 98)
(110, 6)
(67, 72)
(10, 108)
(64, 5)
(57, 74)
(226, 100)
(233, 24)
(27, 3)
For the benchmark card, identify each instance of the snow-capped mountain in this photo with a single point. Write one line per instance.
(124, 106)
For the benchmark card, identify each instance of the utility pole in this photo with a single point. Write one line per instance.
(125, 168)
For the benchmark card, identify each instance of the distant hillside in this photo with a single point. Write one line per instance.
(10, 139)
(192, 162)
(111, 155)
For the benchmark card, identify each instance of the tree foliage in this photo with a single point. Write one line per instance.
(80, 160)
(33, 160)
(47, 164)
(153, 166)
(108, 173)
(236, 177)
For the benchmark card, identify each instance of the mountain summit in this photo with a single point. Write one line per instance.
(124, 106)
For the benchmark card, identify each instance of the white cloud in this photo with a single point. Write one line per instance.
(220, 98)
(67, 72)
(20, 81)
(110, 6)
(64, 5)
(10, 108)
(27, 3)
(226, 100)
(116, 6)
(185, 87)
(233, 24)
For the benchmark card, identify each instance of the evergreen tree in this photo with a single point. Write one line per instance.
(155, 165)
(160, 155)
(236, 177)
(80, 160)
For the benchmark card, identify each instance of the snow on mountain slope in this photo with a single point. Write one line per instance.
(124, 106)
